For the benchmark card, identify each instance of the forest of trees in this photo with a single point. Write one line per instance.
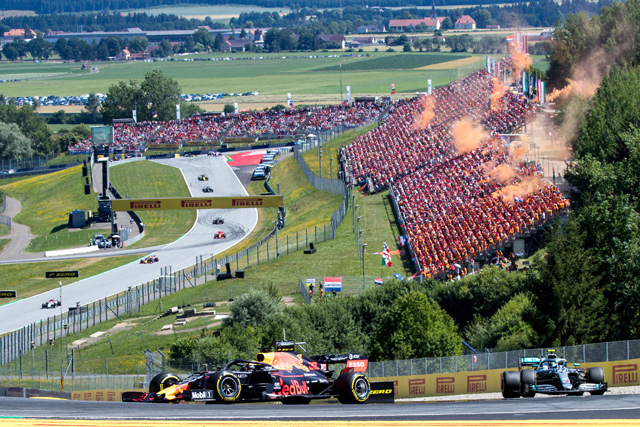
(329, 21)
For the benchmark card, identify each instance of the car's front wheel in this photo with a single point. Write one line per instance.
(227, 387)
(162, 381)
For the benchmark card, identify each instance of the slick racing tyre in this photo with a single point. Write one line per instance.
(162, 381)
(227, 387)
(527, 379)
(596, 375)
(510, 384)
(352, 387)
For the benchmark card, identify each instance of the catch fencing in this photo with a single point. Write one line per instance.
(48, 368)
(587, 353)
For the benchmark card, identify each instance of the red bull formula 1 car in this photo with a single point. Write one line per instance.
(283, 375)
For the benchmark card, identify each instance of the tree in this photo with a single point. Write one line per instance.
(204, 37)
(406, 47)
(10, 52)
(13, 144)
(40, 48)
(254, 309)
(414, 326)
(217, 43)
(446, 24)
(229, 109)
(160, 94)
(92, 103)
(121, 99)
(138, 44)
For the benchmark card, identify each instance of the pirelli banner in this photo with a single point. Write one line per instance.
(616, 374)
(178, 203)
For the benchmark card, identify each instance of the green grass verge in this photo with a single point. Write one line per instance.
(3, 242)
(46, 202)
(29, 278)
(4, 230)
(71, 239)
(149, 179)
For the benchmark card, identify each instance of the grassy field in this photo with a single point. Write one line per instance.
(217, 13)
(396, 62)
(277, 76)
(29, 278)
(46, 202)
(150, 179)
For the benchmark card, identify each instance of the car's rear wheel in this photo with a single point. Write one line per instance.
(352, 387)
(227, 387)
(527, 379)
(162, 381)
(510, 384)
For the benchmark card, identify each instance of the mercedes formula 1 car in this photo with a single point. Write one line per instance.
(282, 375)
(52, 303)
(207, 189)
(551, 375)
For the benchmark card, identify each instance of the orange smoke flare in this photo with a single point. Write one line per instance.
(467, 135)
(422, 120)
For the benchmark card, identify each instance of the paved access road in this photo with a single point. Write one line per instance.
(238, 223)
(608, 410)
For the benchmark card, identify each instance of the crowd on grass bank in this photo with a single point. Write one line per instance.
(459, 197)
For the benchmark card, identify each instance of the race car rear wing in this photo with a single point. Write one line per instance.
(529, 361)
(353, 362)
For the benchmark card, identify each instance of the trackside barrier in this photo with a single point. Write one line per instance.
(617, 374)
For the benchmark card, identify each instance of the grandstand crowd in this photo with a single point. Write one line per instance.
(283, 123)
(454, 207)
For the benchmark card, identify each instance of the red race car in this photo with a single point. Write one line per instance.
(220, 235)
(149, 260)
(282, 375)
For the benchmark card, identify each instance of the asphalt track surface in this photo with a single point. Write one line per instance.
(238, 223)
(613, 410)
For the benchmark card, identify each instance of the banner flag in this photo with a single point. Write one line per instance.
(177, 111)
(348, 93)
(429, 87)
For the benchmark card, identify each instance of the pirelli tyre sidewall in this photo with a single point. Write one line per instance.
(353, 387)
(227, 387)
(162, 381)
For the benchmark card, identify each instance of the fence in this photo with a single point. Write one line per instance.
(4, 219)
(599, 352)
(351, 286)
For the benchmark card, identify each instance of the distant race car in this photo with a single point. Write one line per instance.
(207, 189)
(283, 375)
(52, 303)
(203, 178)
(218, 220)
(220, 235)
(149, 260)
(213, 153)
(551, 375)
